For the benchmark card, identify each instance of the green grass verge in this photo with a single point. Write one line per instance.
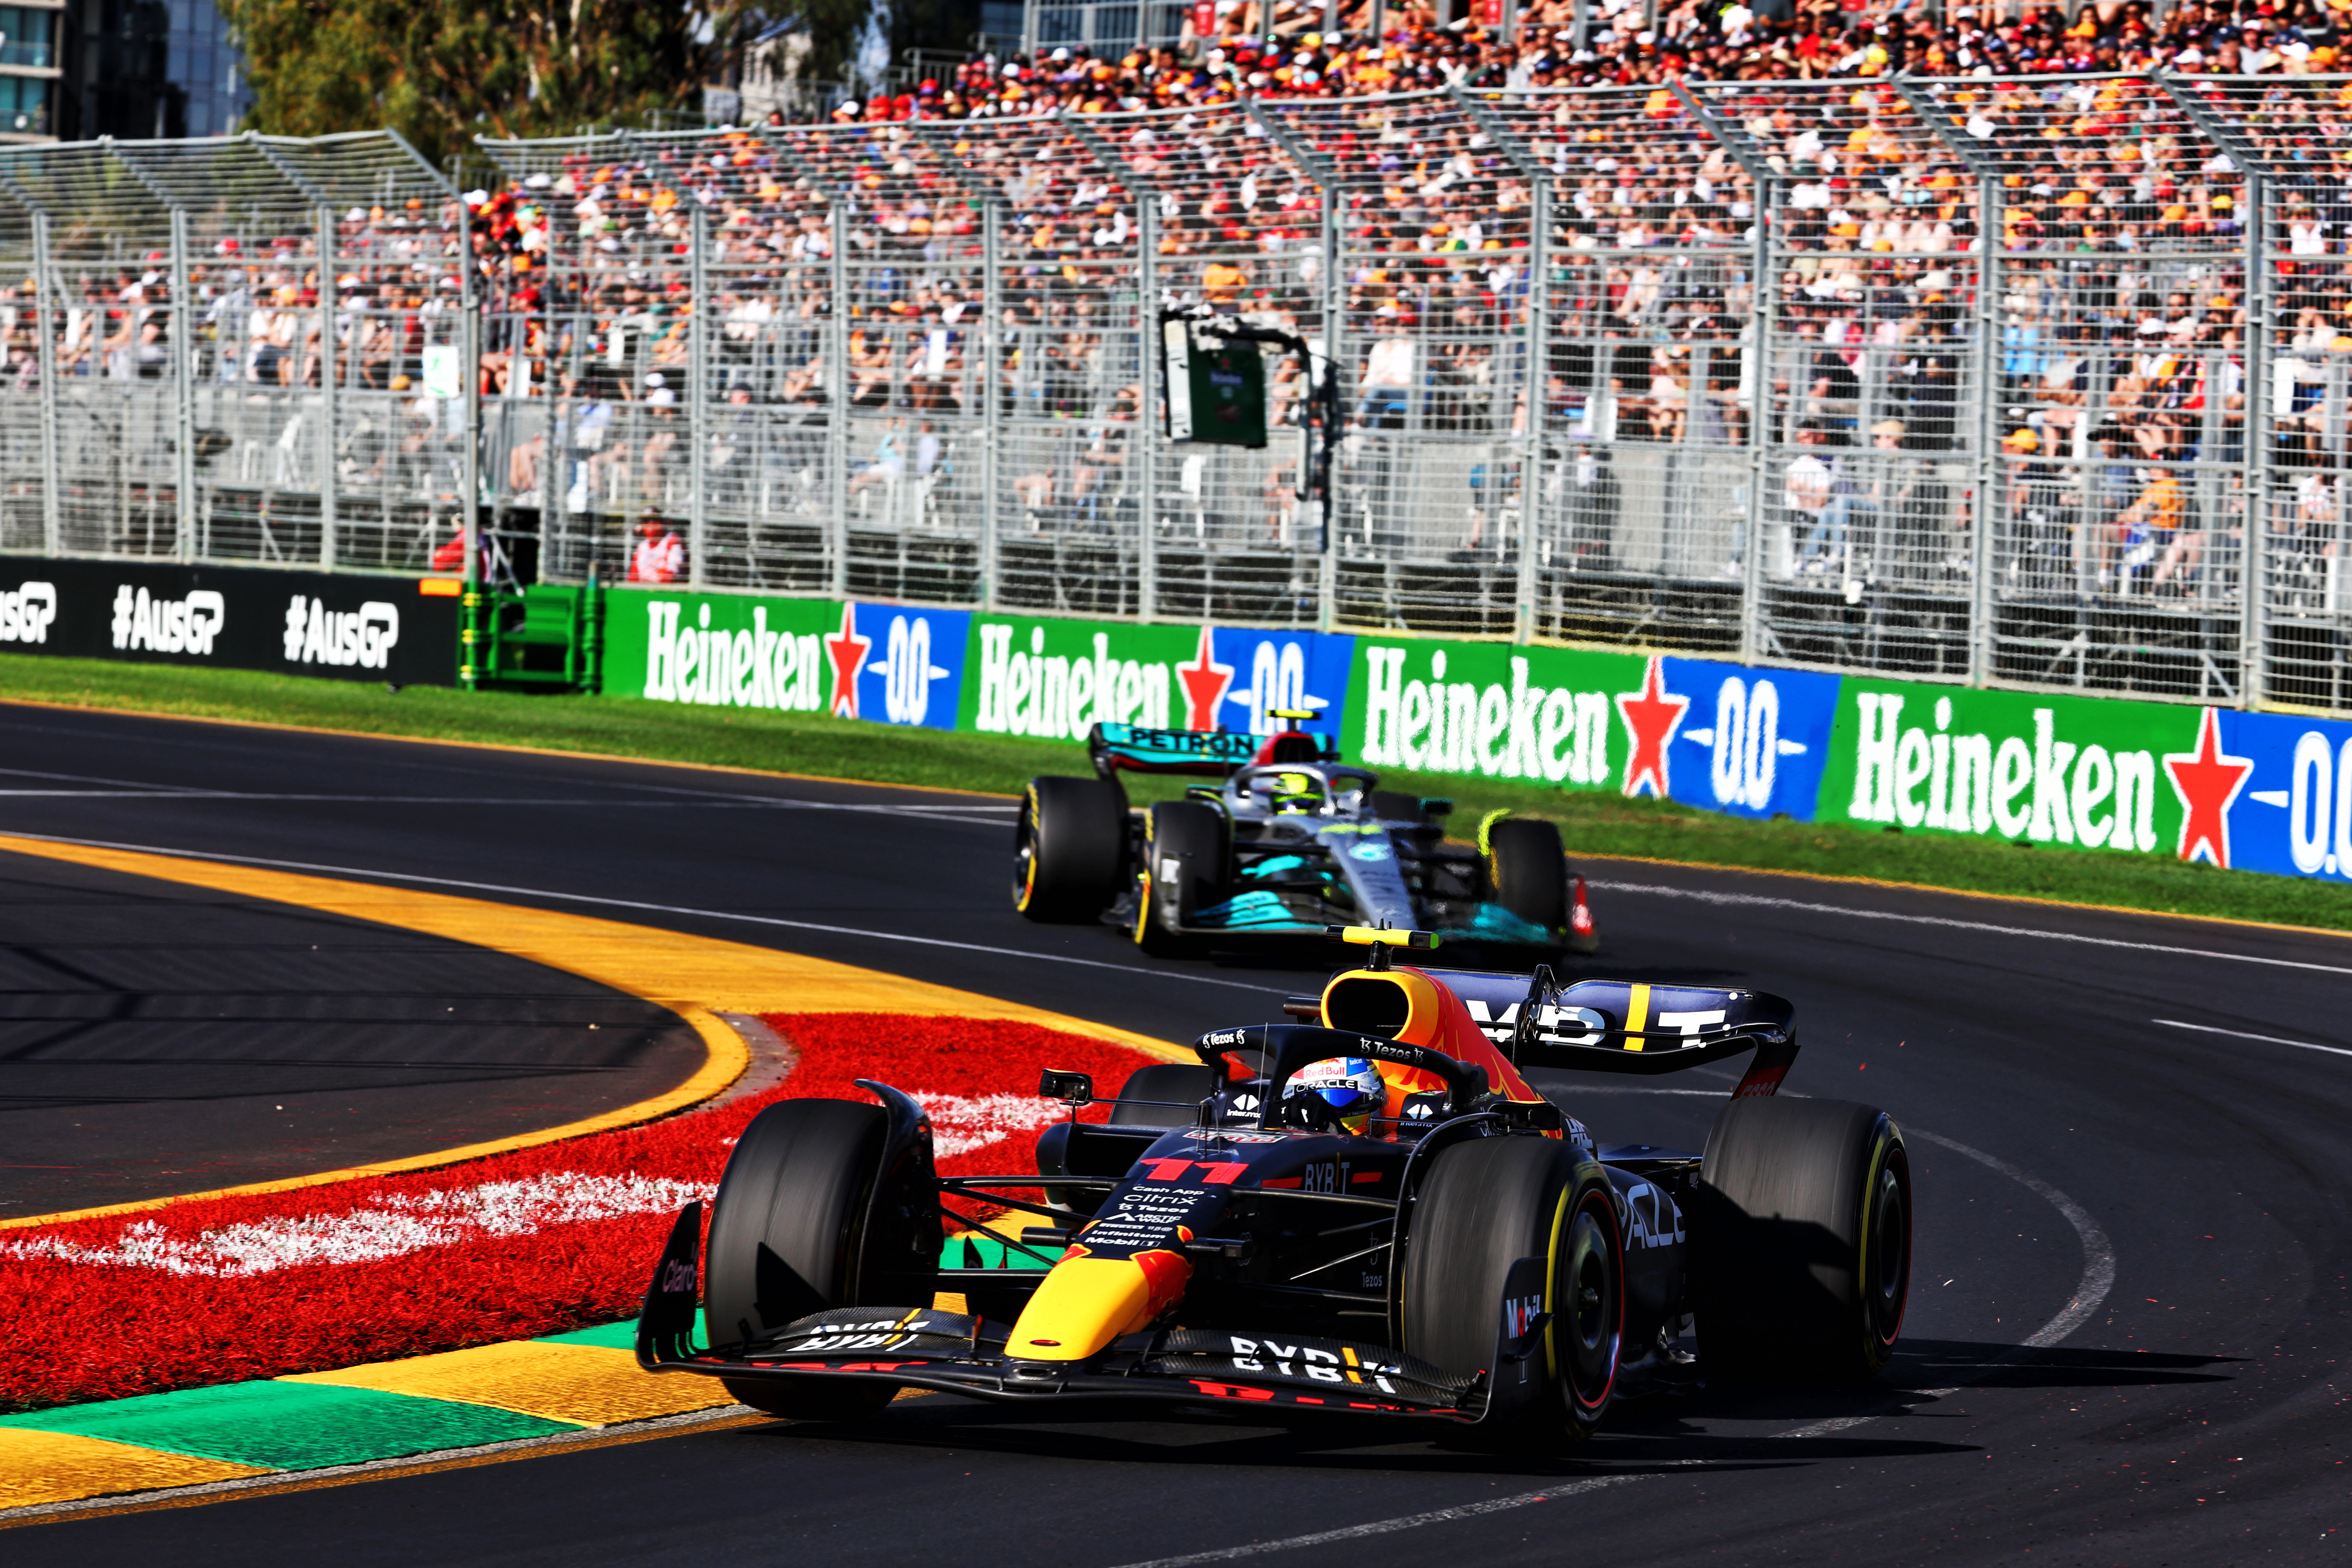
(1593, 824)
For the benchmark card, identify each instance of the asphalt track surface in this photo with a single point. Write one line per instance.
(2130, 1306)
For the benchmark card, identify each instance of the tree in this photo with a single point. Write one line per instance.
(442, 71)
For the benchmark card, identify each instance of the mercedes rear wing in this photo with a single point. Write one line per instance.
(1211, 754)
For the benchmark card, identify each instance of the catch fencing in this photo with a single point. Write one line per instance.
(1718, 369)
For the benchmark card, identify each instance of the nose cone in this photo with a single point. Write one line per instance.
(1085, 1303)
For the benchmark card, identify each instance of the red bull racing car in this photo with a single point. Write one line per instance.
(1288, 843)
(1371, 1213)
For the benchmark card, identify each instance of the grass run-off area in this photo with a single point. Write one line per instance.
(1592, 823)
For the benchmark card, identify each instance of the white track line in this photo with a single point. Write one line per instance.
(2098, 1278)
(1761, 902)
(2241, 1034)
(648, 908)
(632, 803)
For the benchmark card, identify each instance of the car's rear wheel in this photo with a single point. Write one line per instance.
(1183, 872)
(1487, 1202)
(1162, 1096)
(1068, 849)
(1801, 1241)
(1528, 871)
(798, 1227)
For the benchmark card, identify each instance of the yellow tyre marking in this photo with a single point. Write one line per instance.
(696, 978)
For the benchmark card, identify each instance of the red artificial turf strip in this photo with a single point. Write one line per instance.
(79, 1332)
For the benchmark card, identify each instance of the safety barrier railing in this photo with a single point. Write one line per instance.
(2041, 381)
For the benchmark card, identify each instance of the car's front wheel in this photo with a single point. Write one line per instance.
(798, 1227)
(1487, 1202)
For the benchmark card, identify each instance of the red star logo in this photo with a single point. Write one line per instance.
(2208, 780)
(848, 652)
(1204, 686)
(1651, 716)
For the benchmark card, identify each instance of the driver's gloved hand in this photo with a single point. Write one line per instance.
(1310, 1111)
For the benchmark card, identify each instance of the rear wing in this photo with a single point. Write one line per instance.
(1211, 754)
(1628, 1026)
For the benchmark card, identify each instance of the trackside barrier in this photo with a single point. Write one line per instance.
(2246, 791)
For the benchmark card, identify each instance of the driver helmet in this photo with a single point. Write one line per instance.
(1297, 793)
(1350, 1088)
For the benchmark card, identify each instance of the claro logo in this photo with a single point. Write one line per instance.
(25, 615)
(166, 626)
(317, 635)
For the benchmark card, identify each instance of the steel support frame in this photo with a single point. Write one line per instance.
(697, 399)
(45, 275)
(1146, 422)
(184, 389)
(836, 375)
(1981, 640)
(1987, 468)
(330, 422)
(2260, 299)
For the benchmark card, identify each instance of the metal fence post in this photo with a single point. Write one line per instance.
(2253, 576)
(1335, 305)
(1988, 432)
(1535, 373)
(698, 398)
(1765, 315)
(52, 449)
(836, 445)
(992, 410)
(1146, 433)
(183, 391)
(327, 377)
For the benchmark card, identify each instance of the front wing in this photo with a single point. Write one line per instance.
(956, 1353)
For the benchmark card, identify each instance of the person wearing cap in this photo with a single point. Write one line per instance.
(1817, 492)
(660, 553)
(2039, 518)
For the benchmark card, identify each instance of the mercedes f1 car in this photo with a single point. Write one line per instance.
(1457, 1249)
(1288, 843)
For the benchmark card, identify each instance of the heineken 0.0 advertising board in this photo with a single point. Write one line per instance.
(2081, 771)
(2263, 792)
(1055, 679)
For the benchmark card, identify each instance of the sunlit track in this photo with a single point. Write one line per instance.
(2134, 1170)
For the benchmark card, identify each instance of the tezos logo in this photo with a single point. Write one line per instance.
(162, 625)
(317, 635)
(25, 615)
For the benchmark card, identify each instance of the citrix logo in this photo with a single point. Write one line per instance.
(163, 626)
(364, 637)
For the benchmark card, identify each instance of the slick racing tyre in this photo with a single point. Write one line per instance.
(1068, 849)
(1184, 871)
(1173, 1088)
(789, 1236)
(1801, 1241)
(1487, 1202)
(1528, 871)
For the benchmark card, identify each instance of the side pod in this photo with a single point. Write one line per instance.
(665, 1327)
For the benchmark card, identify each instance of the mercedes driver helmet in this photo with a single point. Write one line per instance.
(1349, 1089)
(1295, 794)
